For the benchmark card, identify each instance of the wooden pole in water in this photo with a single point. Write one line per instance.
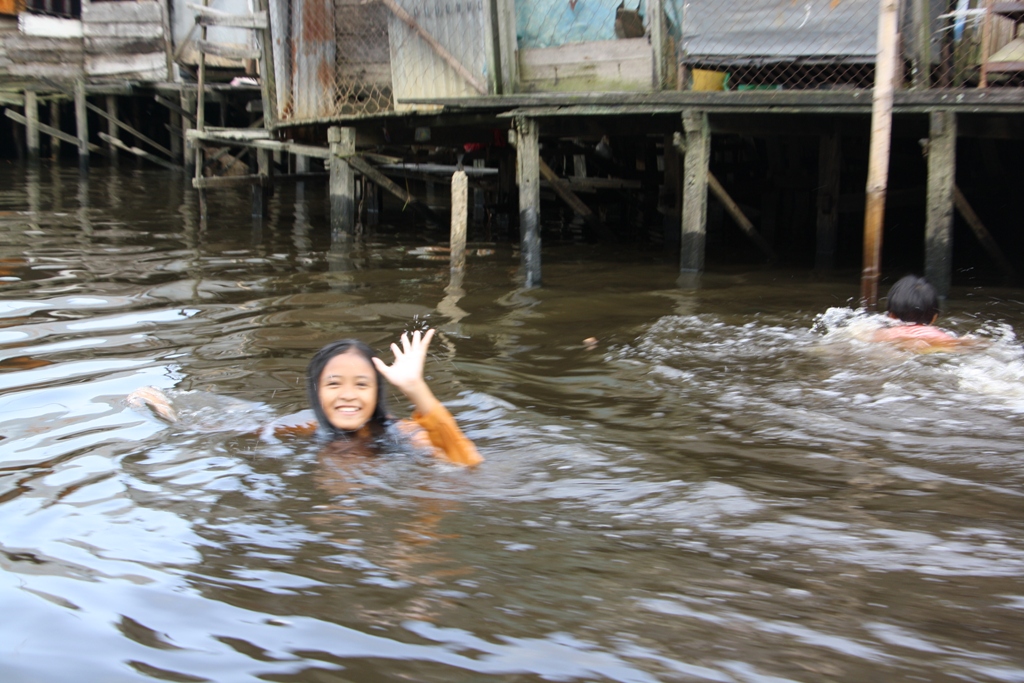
(695, 196)
(460, 215)
(55, 123)
(938, 225)
(342, 182)
(528, 175)
(82, 125)
(112, 126)
(878, 156)
(32, 125)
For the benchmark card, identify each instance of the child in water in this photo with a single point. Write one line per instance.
(345, 382)
(914, 302)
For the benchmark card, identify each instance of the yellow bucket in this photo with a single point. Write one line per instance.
(709, 80)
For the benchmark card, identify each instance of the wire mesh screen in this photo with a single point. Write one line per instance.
(337, 58)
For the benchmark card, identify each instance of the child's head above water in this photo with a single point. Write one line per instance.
(345, 389)
(913, 300)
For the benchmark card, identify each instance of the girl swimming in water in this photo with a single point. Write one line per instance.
(347, 388)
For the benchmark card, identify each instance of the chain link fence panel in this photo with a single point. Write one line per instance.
(340, 58)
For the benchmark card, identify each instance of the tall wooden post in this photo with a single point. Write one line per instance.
(460, 215)
(55, 124)
(82, 125)
(32, 125)
(342, 181)
(828, 200)
(878, 156)
(695, 196)
(188, 103)
(938, 226)
(479, 196)
(528, 176)
(261, 191)
(112, 127)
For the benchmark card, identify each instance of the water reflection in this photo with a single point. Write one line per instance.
(725, 487)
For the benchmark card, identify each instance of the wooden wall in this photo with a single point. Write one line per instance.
(124, 40)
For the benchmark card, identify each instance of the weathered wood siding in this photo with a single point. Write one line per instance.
(124, 40)
(599, 66)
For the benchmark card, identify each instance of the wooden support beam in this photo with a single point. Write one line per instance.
(528, 176)
(441, 51)
(114, 142)
(734, 210)
(82, 125)
(228, 181)
(177, 109)
(111, 126)
(205, 47)
(53, 132)
(983, 235)
(878, 155)
(829, 164)
(208, 16)
(695, 196)
(562, 189)
(342, 186)
(938, 225)
(112, 118)
(188, 102)
(55, 124)
(32, 125)
(363, 166)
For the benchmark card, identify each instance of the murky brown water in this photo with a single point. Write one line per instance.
(728, 488)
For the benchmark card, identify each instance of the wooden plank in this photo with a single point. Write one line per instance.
(207, 16)
(138, 152)
(138, 12)
(47, 71)
(610, 65)
(51, 27)
(52, 132)
(154, 63)
(226, 51)
(123, 31)
(938, 224)
(116, 47)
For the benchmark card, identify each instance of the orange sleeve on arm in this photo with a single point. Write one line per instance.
(446, 437)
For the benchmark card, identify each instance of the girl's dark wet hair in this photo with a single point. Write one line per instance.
(380, 419)
(913, 299)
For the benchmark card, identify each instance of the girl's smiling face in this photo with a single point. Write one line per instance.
(348, 391)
